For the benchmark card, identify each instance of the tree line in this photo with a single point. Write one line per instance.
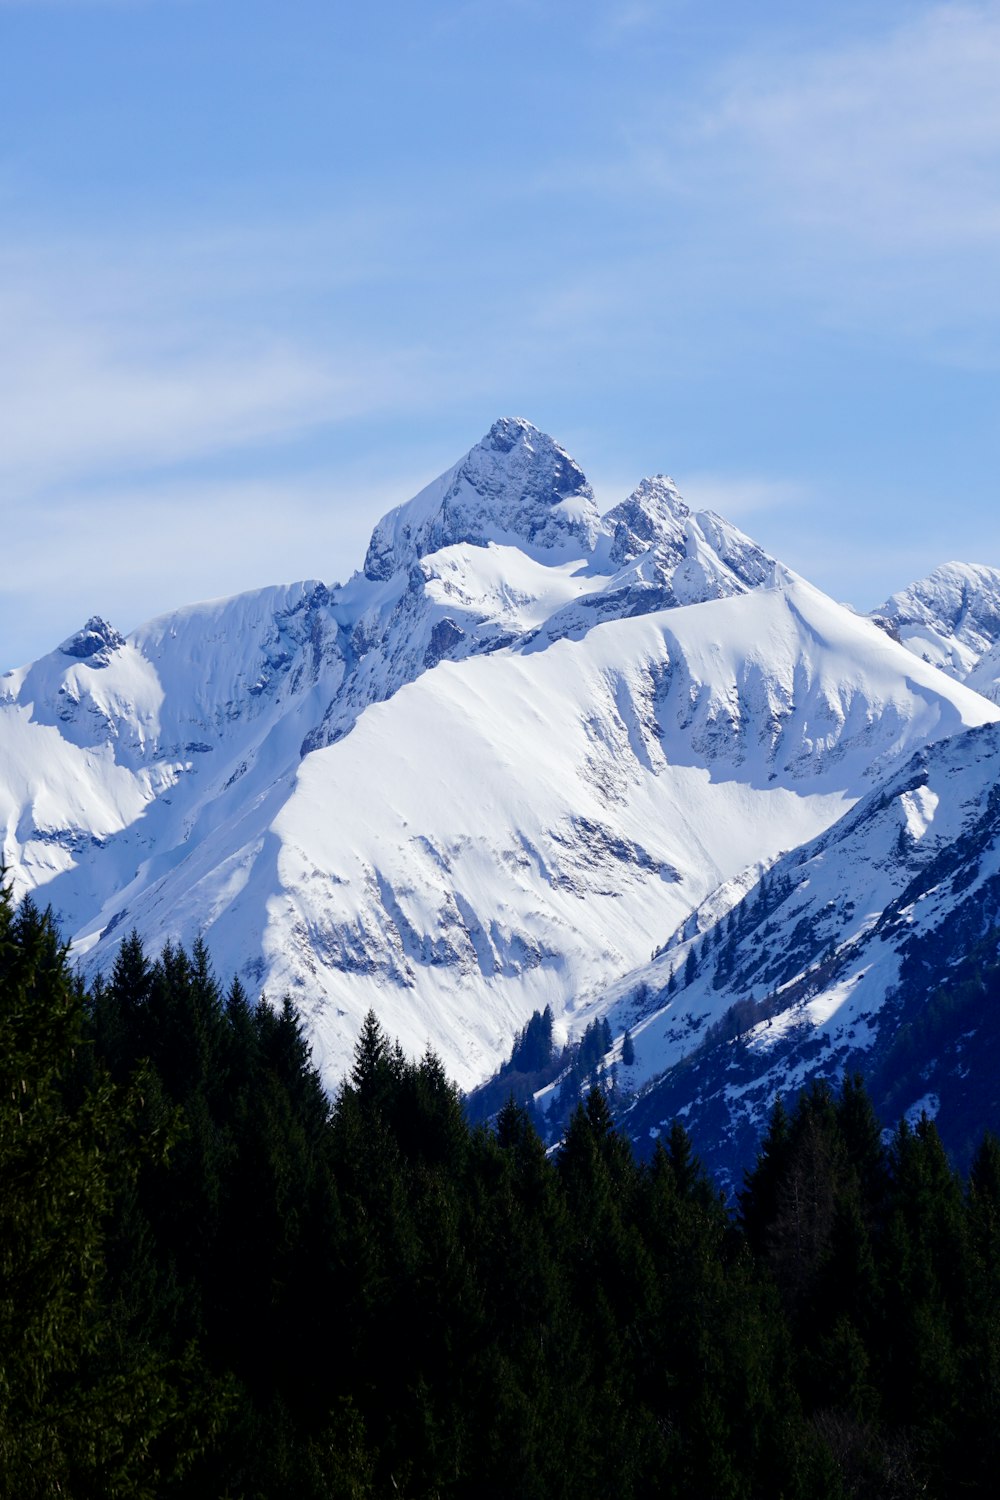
(217, 1281)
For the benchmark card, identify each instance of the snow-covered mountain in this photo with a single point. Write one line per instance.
(951, 618)
(874, 948)
(488, 773)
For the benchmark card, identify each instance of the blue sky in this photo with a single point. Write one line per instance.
(265, 269)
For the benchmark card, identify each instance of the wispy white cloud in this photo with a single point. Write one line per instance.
(619, 20)
(249, 532)
(892, 142)
(116, 356)
(74, 400)
(858, 177)
(736, 496)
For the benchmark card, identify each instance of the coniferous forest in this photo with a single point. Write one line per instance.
(215, 1281)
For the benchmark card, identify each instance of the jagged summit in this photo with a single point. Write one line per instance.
(94, 643)
(691, 555)
(434, 588)
(515, 486)
(520, 488)
(951, 618)
(653, 515)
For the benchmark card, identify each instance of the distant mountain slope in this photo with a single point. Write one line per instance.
(952, 618)
(486, 774)
(874, 947)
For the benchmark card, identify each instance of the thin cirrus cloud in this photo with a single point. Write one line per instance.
(860, 177)
(75, 403)
(119, 384)
(317, 521)
(846, 183)
(96, 378)
(894, 143)
(736, 496)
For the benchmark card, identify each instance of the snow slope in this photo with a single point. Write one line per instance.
(488, 773)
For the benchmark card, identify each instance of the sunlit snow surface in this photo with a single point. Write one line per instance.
(491, 772)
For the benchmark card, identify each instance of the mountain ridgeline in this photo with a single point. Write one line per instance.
(215, 1281)
(488, 774)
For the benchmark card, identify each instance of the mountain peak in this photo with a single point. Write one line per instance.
(652, 516)
(950, 587)
(516, 486)
(506, 432)
(951, 617)
(94, 643)
(696, 554)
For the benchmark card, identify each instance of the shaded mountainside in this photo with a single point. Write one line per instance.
(873, 948)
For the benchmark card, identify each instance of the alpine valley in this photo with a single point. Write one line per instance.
(525, 747)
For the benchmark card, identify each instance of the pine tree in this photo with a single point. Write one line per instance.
(374, 1069)
(532, 1049)
(119, 1007)
(759, 1199)
(628, 1050)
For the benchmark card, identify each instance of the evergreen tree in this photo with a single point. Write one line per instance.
(532, 1050)
(759, 1199)
(926, 1267)
(118, 1009)
(374, 1067)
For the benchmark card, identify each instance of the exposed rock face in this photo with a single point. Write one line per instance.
(95, 643)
